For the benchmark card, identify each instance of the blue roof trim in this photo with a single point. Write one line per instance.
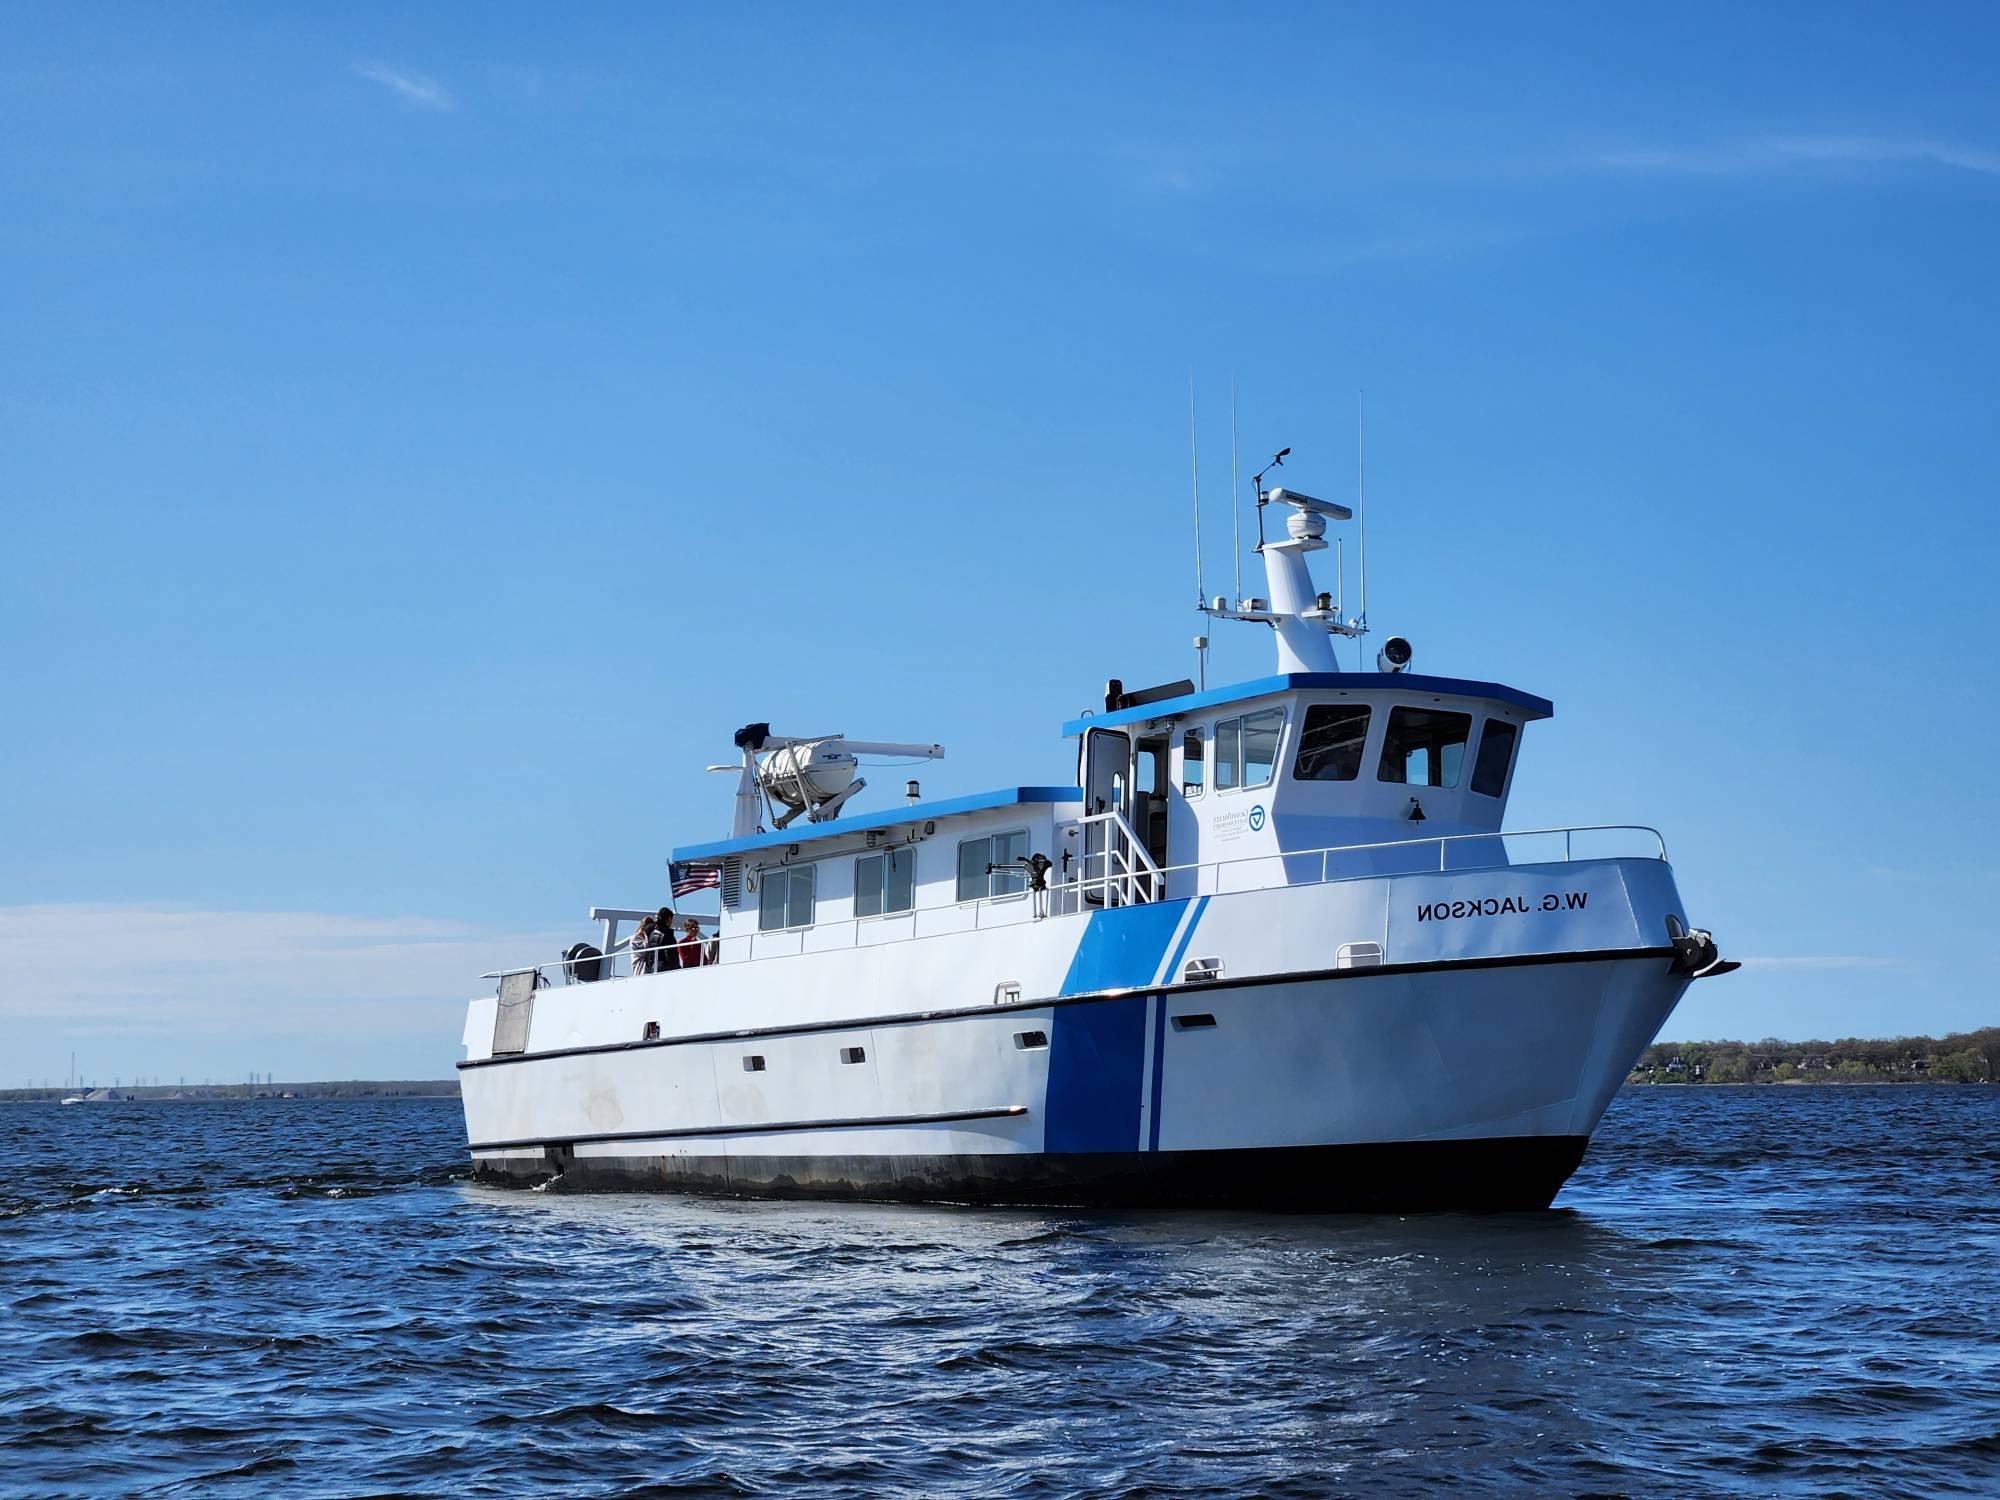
(909, 812)
(1408, 682)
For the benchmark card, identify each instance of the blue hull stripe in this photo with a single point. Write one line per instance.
(1097, 1052)
(1122, 946)
(1160, 1022)
(1187, 937)
(1159, 1068)
(1097, 1065)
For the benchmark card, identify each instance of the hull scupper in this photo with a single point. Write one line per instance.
(1273, 948)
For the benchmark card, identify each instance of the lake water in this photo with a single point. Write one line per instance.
(1741, 1292)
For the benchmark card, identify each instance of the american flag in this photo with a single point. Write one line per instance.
(691, 878)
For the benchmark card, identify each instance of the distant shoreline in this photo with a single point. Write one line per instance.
(210, 1093)
(1960, 1057)
(1809, 1083)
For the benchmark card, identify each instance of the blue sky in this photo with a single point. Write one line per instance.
(426, 433)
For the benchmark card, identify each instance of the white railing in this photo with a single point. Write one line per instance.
(1139, 879)
(1125, 873)
(1438, 854)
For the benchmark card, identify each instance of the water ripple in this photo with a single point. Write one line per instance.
(1742, 1292)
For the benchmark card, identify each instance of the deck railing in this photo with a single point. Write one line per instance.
(1117, 869)
(1133, 881)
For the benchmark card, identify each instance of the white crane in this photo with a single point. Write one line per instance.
(809, 774)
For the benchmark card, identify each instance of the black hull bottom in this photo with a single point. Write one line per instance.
(1520, 1172)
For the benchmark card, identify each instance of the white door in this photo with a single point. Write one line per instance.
(1107, 775)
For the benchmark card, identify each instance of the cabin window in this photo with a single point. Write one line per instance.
(785, 898)
(974, 855)
(1424, 746)
(1246, 749)
(1191, 763)
(884, 883)
(1260, 745)
(1146, 780)
(1330, 742)
(1496, 750)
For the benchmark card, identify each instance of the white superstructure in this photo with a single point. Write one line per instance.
(1270, 948)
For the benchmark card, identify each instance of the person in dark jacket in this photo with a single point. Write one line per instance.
(666, 956)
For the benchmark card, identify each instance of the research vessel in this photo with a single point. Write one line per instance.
(1270, 946)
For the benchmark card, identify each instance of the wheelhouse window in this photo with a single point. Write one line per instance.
(1192, 766)
(1260, 745)
(885, 883)
(785, 898)
(1246, 748)
(975, 856)
(1496, 753)
(1424, 746)
(1330, 742)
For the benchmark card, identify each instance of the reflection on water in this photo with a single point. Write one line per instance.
(1743, 1291)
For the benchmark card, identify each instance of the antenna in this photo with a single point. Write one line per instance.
(1361, 496)
(1257, 484)
(1194, 476)
(1235, 497)
(1340, 585)
(1194, 472)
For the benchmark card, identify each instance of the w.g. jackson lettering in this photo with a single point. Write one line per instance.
(1500, 906)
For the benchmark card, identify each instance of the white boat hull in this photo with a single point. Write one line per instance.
(1468, 1070)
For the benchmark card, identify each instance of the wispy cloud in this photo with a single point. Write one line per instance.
(132, 969)
(412, 88)
(1793, 153)
(1823, 961)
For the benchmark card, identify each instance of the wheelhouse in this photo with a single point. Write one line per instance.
(1304, 761)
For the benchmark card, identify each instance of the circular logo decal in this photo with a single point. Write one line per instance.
(1257, 817)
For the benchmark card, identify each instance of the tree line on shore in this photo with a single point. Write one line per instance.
(1962, 1057)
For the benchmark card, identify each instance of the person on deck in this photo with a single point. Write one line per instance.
(692, 954)
(645, 946)
(666, 956)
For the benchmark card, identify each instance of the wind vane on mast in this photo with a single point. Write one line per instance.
(1302, 618)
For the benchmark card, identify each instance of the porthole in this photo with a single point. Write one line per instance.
(753, 1064)
(1028, 1041)
(853, 1055)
